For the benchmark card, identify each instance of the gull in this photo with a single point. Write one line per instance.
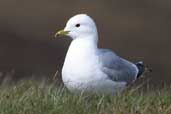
(88, 68)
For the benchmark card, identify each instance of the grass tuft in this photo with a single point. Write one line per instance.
(30, 97)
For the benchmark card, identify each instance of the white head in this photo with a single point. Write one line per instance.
(80, 26)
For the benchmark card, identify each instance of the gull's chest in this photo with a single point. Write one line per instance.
(80, 60)
(80, 63)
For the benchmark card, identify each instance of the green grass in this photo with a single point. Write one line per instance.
(34, 98)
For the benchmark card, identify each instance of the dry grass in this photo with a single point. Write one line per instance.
(30, 97)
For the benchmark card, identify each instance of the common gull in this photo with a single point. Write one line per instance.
(88, 68)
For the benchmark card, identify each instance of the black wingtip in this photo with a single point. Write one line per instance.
(141, 68)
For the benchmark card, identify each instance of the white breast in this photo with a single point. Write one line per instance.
(81, 64)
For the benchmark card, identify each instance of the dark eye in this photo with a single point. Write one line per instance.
(77, 25)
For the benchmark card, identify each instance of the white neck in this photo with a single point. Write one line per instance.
(81, 51)
(86, 43)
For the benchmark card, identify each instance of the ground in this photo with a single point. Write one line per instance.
(30, 97)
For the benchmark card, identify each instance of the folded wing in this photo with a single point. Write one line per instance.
(117, 68)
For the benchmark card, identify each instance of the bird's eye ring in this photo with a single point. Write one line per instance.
(77, 25)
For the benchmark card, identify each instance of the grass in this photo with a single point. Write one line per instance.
(30, 97)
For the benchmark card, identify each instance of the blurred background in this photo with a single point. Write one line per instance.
(134, 29)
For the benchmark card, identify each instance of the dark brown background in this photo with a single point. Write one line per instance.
(134, 29)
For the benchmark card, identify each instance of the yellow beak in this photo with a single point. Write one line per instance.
(61, 33)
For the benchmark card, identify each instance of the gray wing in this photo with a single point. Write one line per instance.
(116, 68)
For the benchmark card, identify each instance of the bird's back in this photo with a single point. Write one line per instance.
(117, 68)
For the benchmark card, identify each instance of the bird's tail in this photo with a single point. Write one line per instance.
(142, 69)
